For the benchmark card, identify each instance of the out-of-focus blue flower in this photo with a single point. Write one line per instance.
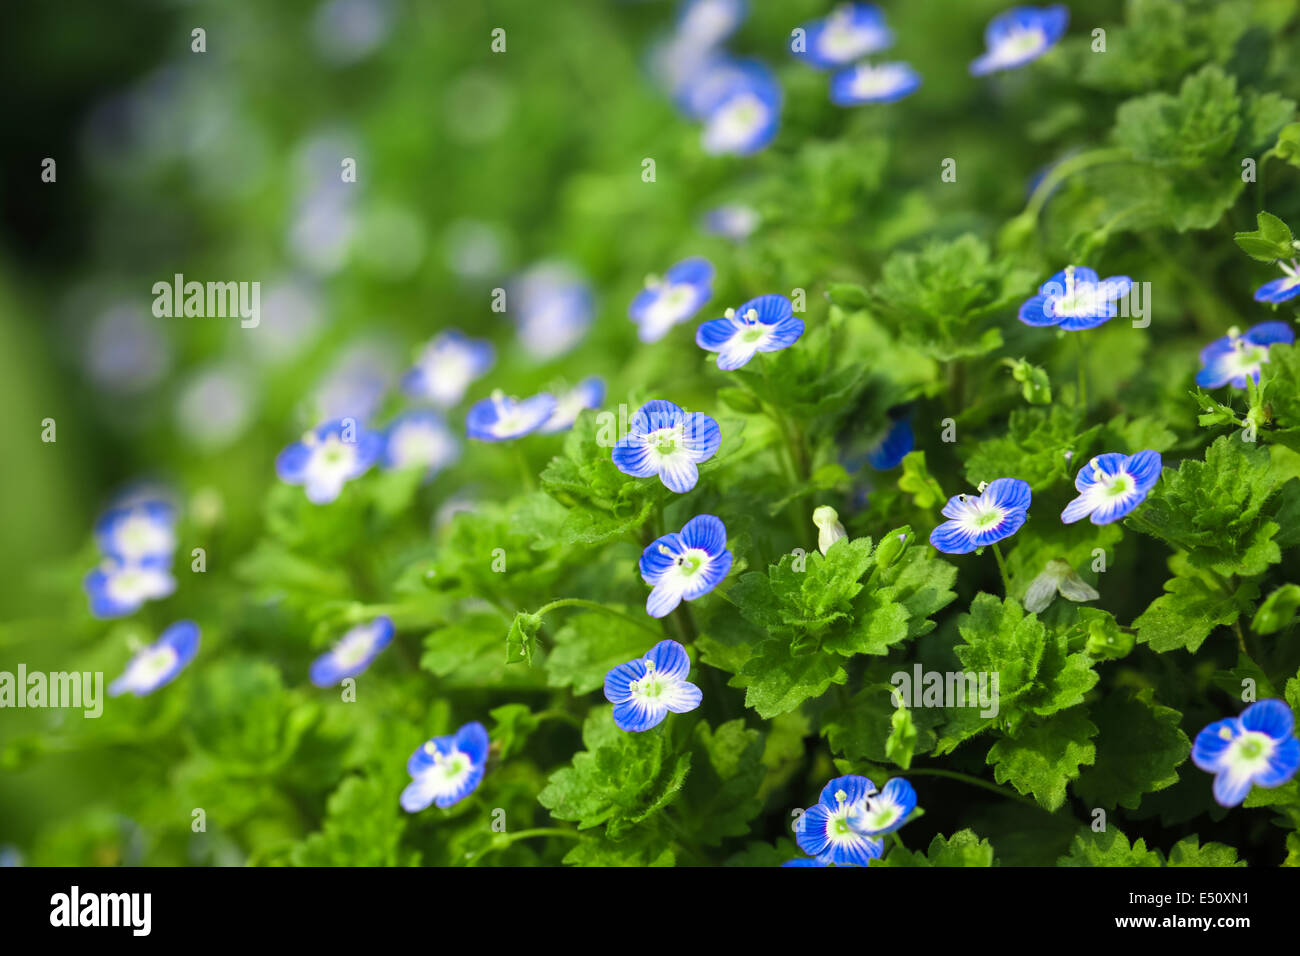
(708, 22)
(419, 439)
(446, 770)
(1236, 357)
(865, 83)
(686, 564)
(353, 653)
(645, 690)
(665, 302)
(1112, 485)
(893, 446)
(764, 324)
(117, 588)
(744, 114)
(137, 532)
(849, 33)
(326, 459)
(1075, 299)
(1019, 36)
(666, 441)
(1283, 289)
(160, 662)
(734, 221)
(501, 418)
(1257, 748)
(355, 387)
(553, 308)
(979, 520)
(588, 393)
(447, 366)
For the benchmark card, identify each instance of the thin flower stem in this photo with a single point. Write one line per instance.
(1083, 375)
(555, 713)
(511, 838)
(595, 606)
(525, 473)
(974, 782)
(1002, 569)
(1067, 168)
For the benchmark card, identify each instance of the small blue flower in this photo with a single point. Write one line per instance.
(886, 811)
(1281, 290)
(419, 439)
(686, 564)
(893, 447)
(1235, 357)
(979, 520)
(553, 309)
(353, 653)
(447, 366)
(663, 303)
(1019, 36)
(160, 662)
(743, 115)
(326, 459)
(117, 588)
(1075, 299)
(446, 770)
(643, 691)
(831, 831)
(588, 393)
(765, 324)
(734, 221)
(852, 31)
(1257, 748)
(715, 76)
(666, 441)
(709, 22)
(500, 418)
(1112, 485)
(865, 83)
(138, 531)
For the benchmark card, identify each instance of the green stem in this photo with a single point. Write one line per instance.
(974, 782)
(1067, 168)
(596, 606)
(525, 473)
(1002, 569)
(511, 838)
(1083, 377)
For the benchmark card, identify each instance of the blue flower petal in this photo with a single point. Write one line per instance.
(1271, 717)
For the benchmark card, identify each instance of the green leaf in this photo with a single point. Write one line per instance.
(917, 482)
(902, 738)
(963, 848)
(1278, 610)
(776, 681)
(1271, 241)
(521, 640)
(721, 796)
(1110, 848)
(1139, 749)
(514, 724)
(1039, 447)
(1044, 757)
(363, 826)
(589, 645)
(620, 780)
(1189, 852)
(1194, 604)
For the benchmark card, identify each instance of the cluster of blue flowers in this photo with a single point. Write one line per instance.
(136, 537)
(851, 33)
(846, 825)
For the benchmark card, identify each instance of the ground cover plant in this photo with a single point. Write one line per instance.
(719, 433)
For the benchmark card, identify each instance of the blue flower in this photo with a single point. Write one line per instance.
(978, 520)
(1019, 36)
(806, 861)
(666, 441)
(447, 366)
(160, 662)
(588, 393)
(893, 447)
(446, 770)
(138, 531)
(117, 588)
(1259, 747)
(865, 83)
(1235, 357)
(686, 564)
(1112, 485)
(328, 458)
(844, 827)
(713, 77)
(553, 308)
(419, 439)
(681, 293)
(1075, 299)
(353, 653)
(709, 22)
(734, 221)
(643, 691)
(1281, 290)
(852, 31)
(500, 418)
(743, 114)
(765, 324)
